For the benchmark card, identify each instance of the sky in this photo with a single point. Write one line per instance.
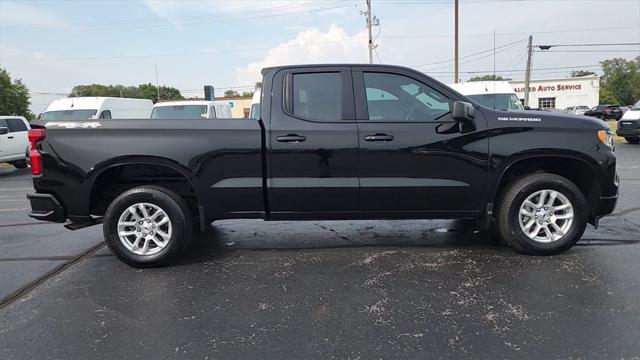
(54, 45)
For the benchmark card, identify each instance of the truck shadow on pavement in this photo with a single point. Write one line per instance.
(225, 238)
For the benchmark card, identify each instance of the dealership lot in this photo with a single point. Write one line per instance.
(373, 289)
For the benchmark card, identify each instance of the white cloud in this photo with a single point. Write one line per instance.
(310, 46)
(13, 13)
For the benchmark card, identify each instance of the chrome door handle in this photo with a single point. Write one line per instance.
(378, 137)
(291, 138)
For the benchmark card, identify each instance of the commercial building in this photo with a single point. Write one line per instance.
(240, 106)
(560, 93)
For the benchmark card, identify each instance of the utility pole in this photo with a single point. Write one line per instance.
(371, 22)
(369, 28)
(527, 75)
(157, 84)
(455, 45)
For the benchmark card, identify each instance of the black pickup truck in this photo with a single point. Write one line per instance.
(332, 142)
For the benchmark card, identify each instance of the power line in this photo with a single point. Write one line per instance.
(199, 22)
(597, 44)
(511, 44)
(519, 70)
(186, 53)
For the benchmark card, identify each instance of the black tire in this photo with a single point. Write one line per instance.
(508, 213)
(633, 140)
(172, 204)
(22, 164)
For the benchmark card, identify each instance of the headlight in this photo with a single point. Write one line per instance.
(606, 137)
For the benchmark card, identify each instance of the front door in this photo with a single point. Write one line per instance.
(409, 164)
(313, 144)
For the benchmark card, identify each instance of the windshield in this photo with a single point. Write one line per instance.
(636, 106)
(179, 112)
(501, 101)
(69, 114)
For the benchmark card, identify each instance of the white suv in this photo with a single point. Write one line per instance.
(14, 143)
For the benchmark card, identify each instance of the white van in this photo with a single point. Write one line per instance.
(254, 113)
(14, 143)
(191, 109)
(82, 108)
(492, 94)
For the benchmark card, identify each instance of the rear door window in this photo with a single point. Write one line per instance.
(317, 96)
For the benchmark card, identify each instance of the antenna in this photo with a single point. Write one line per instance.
(494, 69)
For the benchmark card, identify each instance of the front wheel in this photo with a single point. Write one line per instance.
(541, 214)
(147, 226)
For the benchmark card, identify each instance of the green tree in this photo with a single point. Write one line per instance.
(258, 85)
(607, 97)
(247, 94)
(14, 96)
(489, 77)
(231, 94)
(143, 91)
(621, 80)
(578, 73)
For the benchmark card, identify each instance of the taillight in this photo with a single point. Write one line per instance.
(35, 136)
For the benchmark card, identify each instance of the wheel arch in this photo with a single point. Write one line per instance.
(111, 178)
(572, 166)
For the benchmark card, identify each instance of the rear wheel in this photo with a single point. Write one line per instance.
(541, 214)
(147, 226)
(633, 140)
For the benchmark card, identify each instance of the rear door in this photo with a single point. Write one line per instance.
(313, 143)
(408, 165)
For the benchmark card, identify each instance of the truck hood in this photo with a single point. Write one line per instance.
(631, 114)
(552, 119)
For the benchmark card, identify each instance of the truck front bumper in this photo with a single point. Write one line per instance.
(628, 128)
(46, 207)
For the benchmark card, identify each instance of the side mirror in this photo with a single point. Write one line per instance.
(4, 130)
(462, 111)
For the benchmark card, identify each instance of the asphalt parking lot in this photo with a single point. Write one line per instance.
(347, 290)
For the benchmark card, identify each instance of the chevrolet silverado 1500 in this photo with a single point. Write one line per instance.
(332, 142)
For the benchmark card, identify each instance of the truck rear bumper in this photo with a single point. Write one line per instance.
(46, 207)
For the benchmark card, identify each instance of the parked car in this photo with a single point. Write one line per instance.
(605, 112)
(629, 125)
(82, 108)
(14, 144)
(191, 109)
(331, 142)
(577, 110)
(497, 95)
